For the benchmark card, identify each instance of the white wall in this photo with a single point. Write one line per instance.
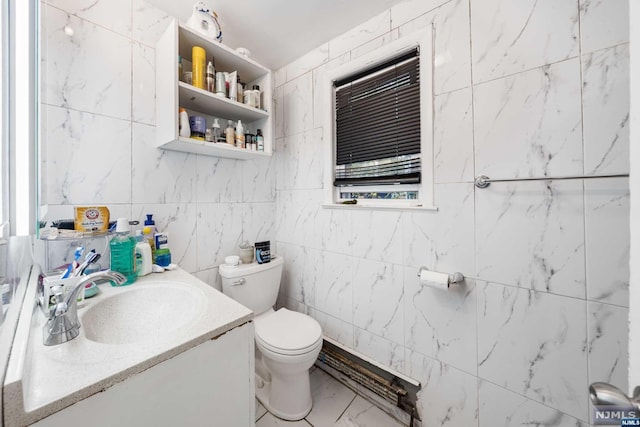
(521, 89)
(634, 183)
(98, 133)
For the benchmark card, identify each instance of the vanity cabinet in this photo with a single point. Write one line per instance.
(211, 384)
(171, 94)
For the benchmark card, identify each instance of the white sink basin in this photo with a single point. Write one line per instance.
(142, 313)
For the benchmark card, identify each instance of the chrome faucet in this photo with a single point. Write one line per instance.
(63, 324)
(607, 394)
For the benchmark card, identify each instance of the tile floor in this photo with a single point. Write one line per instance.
(333, 405)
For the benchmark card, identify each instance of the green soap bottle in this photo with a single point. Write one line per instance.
(122, 246)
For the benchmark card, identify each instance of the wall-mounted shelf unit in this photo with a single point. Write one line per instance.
(171, 94)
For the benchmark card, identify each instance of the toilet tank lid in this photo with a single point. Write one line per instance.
(230, 272)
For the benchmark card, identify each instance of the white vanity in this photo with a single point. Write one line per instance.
(167, 350)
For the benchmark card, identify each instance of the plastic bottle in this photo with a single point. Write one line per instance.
(215, 130)
(256, 100)
(211, 77)
(148, 233)
(179, 67)
(150, 223)
(184, 126)
(240, 90)
(230, 133)
(198, 66)
(259, 140)
(143, 255)
(122, 247)
(239, 135)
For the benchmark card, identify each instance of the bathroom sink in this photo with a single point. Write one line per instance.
(142, 312)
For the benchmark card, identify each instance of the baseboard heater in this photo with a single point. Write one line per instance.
(395, 388)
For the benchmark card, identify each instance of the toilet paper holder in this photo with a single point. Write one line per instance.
(454, 279)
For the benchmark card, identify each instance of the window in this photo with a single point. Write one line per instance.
(381, 148)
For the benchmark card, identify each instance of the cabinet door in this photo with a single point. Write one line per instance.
(209, 385)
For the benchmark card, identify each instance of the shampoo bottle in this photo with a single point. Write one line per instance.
(240, 135)
(122, 247)
(230, 133)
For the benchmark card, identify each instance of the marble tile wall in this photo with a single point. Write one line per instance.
(521, 90)
(98, 133)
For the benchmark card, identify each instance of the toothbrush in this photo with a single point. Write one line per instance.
(74, 265)
(91, 258)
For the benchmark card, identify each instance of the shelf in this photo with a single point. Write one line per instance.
(228, 151)
(193, 98)
(171, 94)
(226, 58)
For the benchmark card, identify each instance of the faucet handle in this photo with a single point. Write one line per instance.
(60, 306)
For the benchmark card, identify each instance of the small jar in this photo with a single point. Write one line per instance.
(198, 126)
(163, 257)
(187, 77)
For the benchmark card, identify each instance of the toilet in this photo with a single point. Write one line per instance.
(287, 342)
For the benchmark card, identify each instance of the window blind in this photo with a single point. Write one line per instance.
(378, 124)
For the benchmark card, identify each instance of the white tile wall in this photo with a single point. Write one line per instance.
(542, 338)
(542, 313)
(94, 73)
(603, 23)
(539, 228)
(88, 157)
(553, 317)
(606, 204)
(98, 133)
(499, 407)
(160, 176)
(512, 37)
(449, 397)
(529, 124)
(605, 94)
(453, 137)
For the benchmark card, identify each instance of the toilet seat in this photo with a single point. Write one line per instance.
(288, 332)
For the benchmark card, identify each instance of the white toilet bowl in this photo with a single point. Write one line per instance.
(288, 343)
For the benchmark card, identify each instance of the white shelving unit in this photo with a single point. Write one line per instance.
(171, 94)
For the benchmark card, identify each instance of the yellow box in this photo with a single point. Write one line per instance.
(91, 218)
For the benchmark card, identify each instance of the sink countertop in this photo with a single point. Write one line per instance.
(42, 380)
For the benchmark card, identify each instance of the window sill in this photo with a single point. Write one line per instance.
(375, 207)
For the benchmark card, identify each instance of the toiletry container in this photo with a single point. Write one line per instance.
(198, 125)
(287, 342)
(211, 77)
(122, 247)
(143, 255)
(215, 130)
(259, 140)
(239, 135)
(185, 127)
(230, 133)
(198, 67)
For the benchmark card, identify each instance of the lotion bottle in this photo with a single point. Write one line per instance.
(230, 134)
(240, 135)
(185, 127)
(143, 255)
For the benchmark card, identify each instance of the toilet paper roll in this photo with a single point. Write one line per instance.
(434, 279)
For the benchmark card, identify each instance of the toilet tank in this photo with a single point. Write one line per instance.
(253, 285)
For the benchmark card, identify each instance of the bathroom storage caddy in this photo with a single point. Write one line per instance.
(171, 93)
